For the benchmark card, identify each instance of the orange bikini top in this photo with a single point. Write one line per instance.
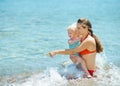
(86, 51)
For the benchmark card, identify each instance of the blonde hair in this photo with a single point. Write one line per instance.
(73, 27)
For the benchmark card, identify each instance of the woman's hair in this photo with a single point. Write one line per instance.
(85, 22)
(74, 29)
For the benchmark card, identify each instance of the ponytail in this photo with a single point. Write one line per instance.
(99, 46)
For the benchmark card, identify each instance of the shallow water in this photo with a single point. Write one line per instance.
(107, 75)
(30, 29)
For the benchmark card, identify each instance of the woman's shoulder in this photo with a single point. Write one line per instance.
(90, 43)
(89, 39)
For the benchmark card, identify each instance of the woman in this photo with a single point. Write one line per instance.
(73, 42)
(90, 45)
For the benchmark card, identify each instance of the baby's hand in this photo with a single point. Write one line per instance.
(52, 54)
(70, 42)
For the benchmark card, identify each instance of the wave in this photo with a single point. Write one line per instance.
(107, 75)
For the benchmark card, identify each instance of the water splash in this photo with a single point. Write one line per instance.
(107, 75)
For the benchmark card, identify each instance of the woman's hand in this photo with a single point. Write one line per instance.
(52, 54)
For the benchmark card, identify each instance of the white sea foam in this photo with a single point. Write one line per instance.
(107, 75)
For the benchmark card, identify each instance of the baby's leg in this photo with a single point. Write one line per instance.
(73, 58)
(82, 64)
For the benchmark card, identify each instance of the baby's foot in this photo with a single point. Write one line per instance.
(87, 76)
(94, 75)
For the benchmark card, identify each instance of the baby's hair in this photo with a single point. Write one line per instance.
(73, 27)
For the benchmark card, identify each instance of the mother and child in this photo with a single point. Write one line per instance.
(84, 45)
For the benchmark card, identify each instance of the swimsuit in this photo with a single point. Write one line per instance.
(74, 45)
(91, 72)
(86, 51)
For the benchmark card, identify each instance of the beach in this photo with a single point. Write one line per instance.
(29, 29)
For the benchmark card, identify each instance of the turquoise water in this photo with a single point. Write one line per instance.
(29, 29)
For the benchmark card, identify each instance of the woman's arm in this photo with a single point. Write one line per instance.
(81, 47)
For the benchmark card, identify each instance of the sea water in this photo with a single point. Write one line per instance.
(29, 29)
